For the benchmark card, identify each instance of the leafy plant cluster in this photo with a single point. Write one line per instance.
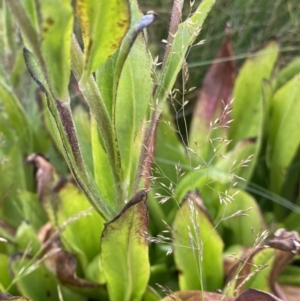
(123, 148)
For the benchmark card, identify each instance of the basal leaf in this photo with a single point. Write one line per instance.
(132, 101)
(247, 109)
(285, 108)
(103, 25)
(124, 254)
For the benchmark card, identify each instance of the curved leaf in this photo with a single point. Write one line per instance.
(247, 109)
(133, 97)
(124, 253)
(103, 25)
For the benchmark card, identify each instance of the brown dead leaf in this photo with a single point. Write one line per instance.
(291, 293)
(256, 295)
(45, 175)
(248, 295)
(286, 245)
(196, 296)
(5, 296)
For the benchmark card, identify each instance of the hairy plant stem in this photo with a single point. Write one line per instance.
(93, 97)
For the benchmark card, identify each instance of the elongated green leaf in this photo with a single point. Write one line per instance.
(94, 270)
(26, 238)
(124, 253)
(82, 122)
(61, 113)
(132, 100)
(57, 27)
(103, 24)
(185, 36)
(197, 247)
(247, 109)
(102, 168)
(5, 277)
(285, 108)
(286, 74)
(123, 53)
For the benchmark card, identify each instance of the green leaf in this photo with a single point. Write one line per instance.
(197, 247)
(133, 97)
(26, 239)
(5, 277)
(94, 270)
(285, 109)
(286, 74)
(290, 276)
(185, 36)
(82, 123)
(260, 280)
(124, 251)
(57, 28)
(247, 109)
(103, 26)
(102, 168)
(82, 224)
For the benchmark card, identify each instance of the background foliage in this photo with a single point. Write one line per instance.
(221, 172)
